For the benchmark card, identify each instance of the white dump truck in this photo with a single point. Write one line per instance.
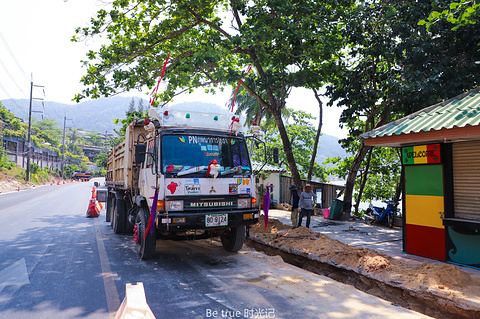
(181, 175)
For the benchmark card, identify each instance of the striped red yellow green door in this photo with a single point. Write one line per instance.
(424, 209)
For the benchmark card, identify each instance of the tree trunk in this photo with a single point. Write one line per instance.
(352, 175)
(276, 111)
(317, 137)
(364, 181)
(287, 148)
(399, 189)
(362, 151)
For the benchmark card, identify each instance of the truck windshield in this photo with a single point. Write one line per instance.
(190, 155)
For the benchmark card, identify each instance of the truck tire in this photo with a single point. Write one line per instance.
(233, 238)
(109, 208)
(145, 247)
(128, 229)
(119, 217)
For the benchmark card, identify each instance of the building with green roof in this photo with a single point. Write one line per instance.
(440, 150)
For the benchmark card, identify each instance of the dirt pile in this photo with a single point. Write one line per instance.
(10, 184)
(443, 280)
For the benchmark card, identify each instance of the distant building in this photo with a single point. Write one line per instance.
(91, 151)
(16, 150)
(273, 177)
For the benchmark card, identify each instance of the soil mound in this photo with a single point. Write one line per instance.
(445, 280)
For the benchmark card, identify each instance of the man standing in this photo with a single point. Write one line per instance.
(306, 202)
(295, 198)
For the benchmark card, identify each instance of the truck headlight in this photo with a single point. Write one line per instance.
(174, 205)
(244, 203)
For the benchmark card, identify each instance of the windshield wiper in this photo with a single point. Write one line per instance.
(235, 170)
(197, 169)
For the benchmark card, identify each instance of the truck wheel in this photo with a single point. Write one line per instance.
(119, 216)
(145, 247)
(232, 239)
(128, 229)
(109, 208)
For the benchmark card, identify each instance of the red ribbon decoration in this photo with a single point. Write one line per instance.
(155, 90)
(240, 82)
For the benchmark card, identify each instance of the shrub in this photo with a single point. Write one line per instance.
(5, 162)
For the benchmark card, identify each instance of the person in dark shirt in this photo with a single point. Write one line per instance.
(294, 200)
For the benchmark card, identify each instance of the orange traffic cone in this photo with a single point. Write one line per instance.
(93, 209)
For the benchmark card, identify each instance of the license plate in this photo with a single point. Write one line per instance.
(216, 220)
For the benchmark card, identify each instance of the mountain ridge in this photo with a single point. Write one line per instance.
(98, 115)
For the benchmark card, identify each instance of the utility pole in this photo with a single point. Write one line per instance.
(63, 142)
(105, 143)
(29, 142)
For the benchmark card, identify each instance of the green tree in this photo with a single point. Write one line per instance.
(9, 119)
(302, 136)
(130, 115)
(101, 160)
(73, 135)
(94, 138)
(74, 149)
(395, 67)
(48, 131)
(378, 176)
(460, 13)
(211, 43)
(69, 169)
(254, 112)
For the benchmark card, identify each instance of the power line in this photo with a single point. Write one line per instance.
(13, 56)
(11, 78)
(13, 101)
(52, 113)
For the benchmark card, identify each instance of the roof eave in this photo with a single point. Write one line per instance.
(444, 135)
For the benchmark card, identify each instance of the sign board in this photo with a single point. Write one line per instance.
(421, 154)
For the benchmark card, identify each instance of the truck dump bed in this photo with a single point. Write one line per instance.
(121, 160)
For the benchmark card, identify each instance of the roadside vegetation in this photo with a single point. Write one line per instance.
(46, 134)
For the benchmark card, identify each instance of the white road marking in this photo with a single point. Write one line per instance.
(111, 292)
(14, 275)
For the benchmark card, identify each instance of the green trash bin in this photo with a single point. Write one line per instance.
(336, 209)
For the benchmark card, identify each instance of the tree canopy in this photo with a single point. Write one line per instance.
(394, 66)
(302, 136)
(378, 61)
(289, 43)
(460, 13)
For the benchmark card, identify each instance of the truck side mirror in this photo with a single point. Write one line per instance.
(140, 151)
(275, 155)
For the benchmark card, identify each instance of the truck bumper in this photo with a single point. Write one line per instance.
(182, 221)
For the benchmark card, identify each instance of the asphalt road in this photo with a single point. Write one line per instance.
(56, 263)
